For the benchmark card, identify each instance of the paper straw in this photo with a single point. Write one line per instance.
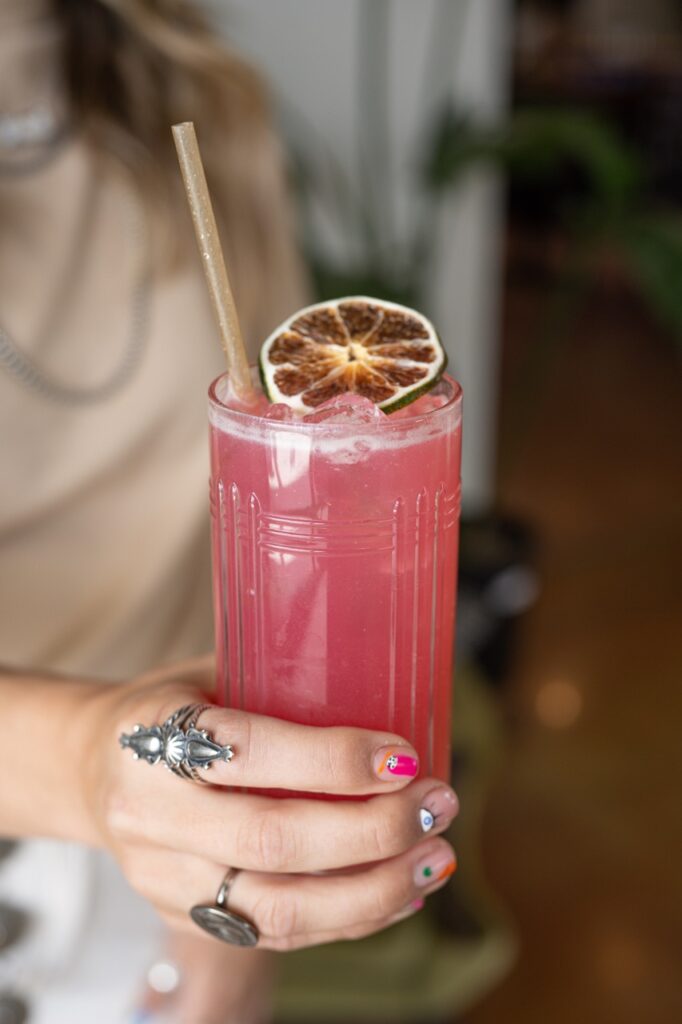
(212, 258)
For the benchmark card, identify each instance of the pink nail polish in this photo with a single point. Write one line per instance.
(390, 763)
(417, 904)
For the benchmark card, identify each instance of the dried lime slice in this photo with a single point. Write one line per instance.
(385, 352)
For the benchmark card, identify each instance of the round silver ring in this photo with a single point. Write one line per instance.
(222, 923)
(183, 748)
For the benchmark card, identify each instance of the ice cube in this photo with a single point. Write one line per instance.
(280, 411)
(346, 408)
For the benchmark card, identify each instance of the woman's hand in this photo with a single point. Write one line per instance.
(312, 871)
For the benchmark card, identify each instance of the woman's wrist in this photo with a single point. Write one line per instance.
(45, 751)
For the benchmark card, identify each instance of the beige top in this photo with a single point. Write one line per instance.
(104, 539)
(104, 551)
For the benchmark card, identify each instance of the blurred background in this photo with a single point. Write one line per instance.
(514, 170)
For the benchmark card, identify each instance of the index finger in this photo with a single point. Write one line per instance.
(273, 754)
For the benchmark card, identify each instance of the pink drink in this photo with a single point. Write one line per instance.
(335, 555)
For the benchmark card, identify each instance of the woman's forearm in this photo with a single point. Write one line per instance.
(44, 722)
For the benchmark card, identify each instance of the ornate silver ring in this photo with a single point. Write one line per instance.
(184, 749)
(222, 923)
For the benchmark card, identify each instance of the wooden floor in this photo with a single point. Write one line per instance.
(583, 834)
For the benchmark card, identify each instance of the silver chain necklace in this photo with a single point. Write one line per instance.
(17, 364)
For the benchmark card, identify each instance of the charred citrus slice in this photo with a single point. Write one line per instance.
(382, 351)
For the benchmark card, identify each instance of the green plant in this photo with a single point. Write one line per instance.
(612, 211)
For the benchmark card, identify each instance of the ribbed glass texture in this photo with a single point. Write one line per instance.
(335, 554)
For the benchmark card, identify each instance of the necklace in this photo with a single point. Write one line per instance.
(17, 364)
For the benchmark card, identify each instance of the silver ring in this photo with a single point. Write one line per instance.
(222, 923)
(184, 749)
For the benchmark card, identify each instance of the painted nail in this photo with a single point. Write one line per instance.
(436, 868)
(438, 808)
(409, 910)
(392, 763)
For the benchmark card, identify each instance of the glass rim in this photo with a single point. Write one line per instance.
(249, 419)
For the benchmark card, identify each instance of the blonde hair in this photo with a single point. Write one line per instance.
(133, 68)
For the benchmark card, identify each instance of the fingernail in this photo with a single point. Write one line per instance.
(438, 808)
(392, 763)
(436, 868)
(409, 910)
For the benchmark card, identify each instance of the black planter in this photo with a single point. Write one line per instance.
(498, 583)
